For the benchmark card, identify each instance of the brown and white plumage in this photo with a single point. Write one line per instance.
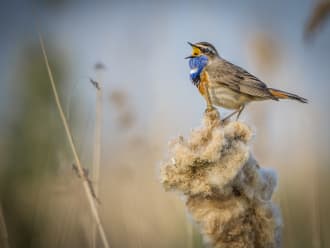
(229, 85)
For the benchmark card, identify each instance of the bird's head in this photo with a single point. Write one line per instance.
(203, 48)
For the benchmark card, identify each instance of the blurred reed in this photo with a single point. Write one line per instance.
(97, 143)
(319, 14)
(80, 169)
(3, 230)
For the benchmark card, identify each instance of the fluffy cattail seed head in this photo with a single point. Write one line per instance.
(227, 193)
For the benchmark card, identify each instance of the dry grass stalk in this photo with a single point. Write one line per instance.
(190, 235)
(3, 230)
(318, 16)
(97, 150)
(227, 193)
(86, 186)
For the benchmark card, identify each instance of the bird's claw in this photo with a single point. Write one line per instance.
(209, 109)
(224, 120)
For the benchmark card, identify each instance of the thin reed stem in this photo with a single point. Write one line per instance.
(86, 187)
(97, 150)
(3, 230)
(190, 235)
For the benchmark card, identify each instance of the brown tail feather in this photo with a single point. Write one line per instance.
(286, 95)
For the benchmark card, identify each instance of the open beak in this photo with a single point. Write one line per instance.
(192, 45)
(189, 57)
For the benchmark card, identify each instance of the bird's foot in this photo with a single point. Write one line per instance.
(238, 112)
(212, 113)
(209, 109)
(225, 120)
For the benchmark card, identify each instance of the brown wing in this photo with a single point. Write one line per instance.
(238, 79)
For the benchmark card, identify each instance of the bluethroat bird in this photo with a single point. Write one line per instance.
(224, 84)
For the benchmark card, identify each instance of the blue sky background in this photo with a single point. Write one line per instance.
(143, 45)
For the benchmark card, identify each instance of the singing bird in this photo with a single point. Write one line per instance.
(226, 85)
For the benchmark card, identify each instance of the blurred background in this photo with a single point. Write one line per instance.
(135, 50)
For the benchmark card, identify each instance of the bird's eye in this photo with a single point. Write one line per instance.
(207, 50)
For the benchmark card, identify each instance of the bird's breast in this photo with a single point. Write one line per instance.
(224, 97)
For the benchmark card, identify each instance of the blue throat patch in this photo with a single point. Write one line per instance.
(196, 65)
